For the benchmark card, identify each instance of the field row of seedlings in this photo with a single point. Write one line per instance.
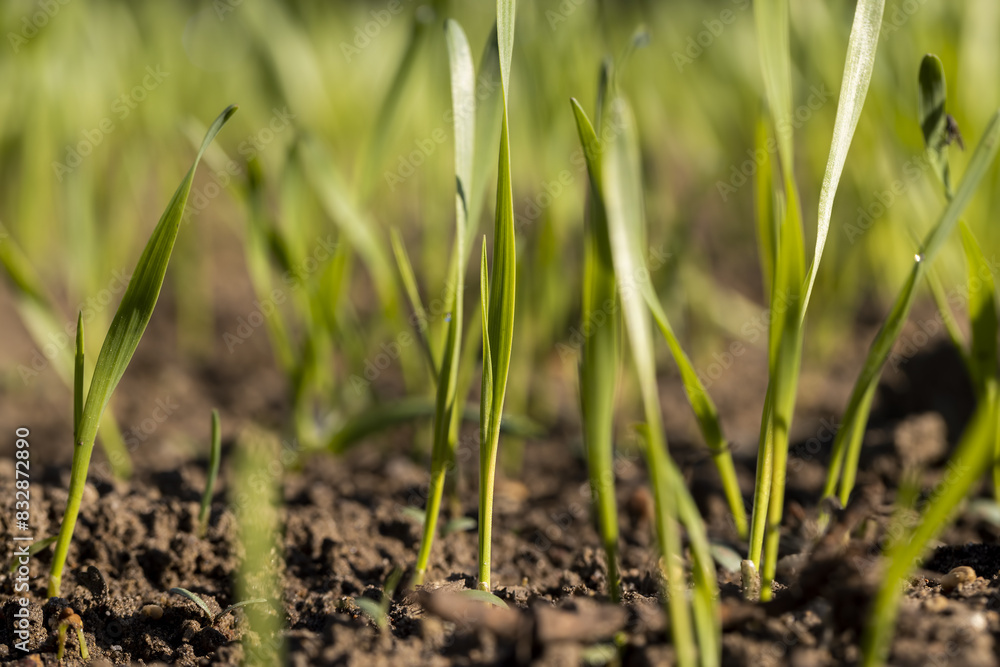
(511, 388)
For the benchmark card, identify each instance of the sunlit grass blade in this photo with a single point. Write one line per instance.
(123, 337)
(621, 181)
(971, 459)
(861, 47)
(489, 118)
(599, 362)
(463, 102)
(844, 460)
(78, 372)
(214, 459)
(409, 281)
(792, 284)
(498, 327)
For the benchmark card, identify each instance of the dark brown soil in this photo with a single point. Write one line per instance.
(346, 528)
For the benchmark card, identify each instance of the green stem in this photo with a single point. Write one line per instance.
(487, 475)
(77, 481)
(762, 486)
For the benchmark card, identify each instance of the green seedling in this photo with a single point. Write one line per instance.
(213, 618)
(598, 368)
(123, 337)
(215, 457)
(70, 619)
(497, 301)
(445, 419)
(973, 458)
(847, 444)
(782, 250)
(621, 186)
(378, 612)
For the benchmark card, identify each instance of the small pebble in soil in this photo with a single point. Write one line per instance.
(963, 574)
(640, 506)
(152, 611)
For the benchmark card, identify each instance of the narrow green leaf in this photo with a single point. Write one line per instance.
(409, 280)
(861, 49)
(981, 160)
(463, 106)
(506, 15)
(78, 371)
(489, 115)
(484, 596)
(599, 362)
(766, 218)
(373, 610)
(194, 597)
(498, 330)
(771, 19)
(140, 298)
(234, 607)
(215, 458)
(844, 460)
(621, 180)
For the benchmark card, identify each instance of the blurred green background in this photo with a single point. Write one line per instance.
(103, 100)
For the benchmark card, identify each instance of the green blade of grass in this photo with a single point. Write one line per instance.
(215, 458)
(621, 180)
(78, 371)
(971, 459)
(123, 337)
(499, 326)
(861, 47)
(599, 362)
(463, 100)
(844, 459)
(194, 597)
(409, 281)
